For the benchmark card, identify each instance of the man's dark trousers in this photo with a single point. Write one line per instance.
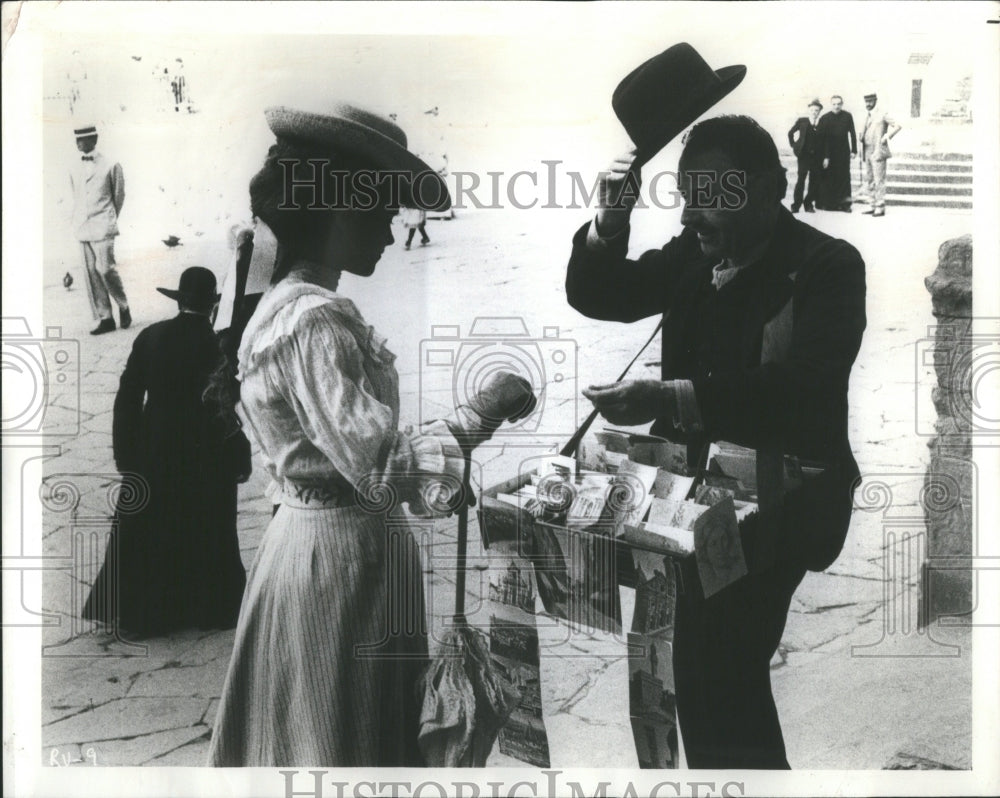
(812, 167)
(722, 653)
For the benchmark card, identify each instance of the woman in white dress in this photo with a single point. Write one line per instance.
(332, 637)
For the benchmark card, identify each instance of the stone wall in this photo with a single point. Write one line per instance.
(949, 485)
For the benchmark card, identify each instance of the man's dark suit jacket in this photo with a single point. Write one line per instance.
(796, 405)
(809, 143)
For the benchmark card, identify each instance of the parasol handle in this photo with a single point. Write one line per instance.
(463, 537)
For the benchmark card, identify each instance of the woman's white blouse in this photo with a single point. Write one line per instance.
(320, 394)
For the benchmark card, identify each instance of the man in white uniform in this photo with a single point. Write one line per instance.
(879, 128)
(98, 194)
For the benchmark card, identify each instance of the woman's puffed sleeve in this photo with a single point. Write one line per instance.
(426, 467)
(339, 413)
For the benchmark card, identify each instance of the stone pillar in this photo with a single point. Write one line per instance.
(948, 496)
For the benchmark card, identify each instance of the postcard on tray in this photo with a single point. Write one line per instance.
(501, 521)
(633, 491)
(678, 514)
(673, 486)
(717, 548)
(662, 454)
(576, 577)
(663, 539)
(655, 584)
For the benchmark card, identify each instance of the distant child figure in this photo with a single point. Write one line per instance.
(414, 219)
(98, 186)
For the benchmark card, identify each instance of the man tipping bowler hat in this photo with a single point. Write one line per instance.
(653, 110)
(98, 195)
(762, 319)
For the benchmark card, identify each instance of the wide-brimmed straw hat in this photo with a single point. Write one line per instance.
(352, 129)
(661, 97)
(197, 288)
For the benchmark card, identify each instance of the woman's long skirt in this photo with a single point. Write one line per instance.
(329, 646)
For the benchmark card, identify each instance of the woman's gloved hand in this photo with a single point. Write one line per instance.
(505, 396)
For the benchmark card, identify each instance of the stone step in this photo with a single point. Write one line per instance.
(930, 166)
(909, 171)
(929, 160)
(933, 191)
(916, 201)
(931, 177)
(925, 183)
(938, 180)
(935, 156)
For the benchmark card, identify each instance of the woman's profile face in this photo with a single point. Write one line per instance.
(357, 239)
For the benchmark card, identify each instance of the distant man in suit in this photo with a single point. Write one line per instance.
(806, 142)
(879, 128)
(98, 186)
(840, 143)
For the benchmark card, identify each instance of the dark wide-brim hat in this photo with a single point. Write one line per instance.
(378, 140)
(661, 97)
(197, 288)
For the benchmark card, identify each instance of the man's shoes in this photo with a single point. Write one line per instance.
(126, 320)
(425, 243)
(810, 209)
(845, 208)
(106, 326)
(869, 209)
(795, 208)
(406, 246)
(879, 212)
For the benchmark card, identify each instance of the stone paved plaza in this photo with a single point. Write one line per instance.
(856, 685)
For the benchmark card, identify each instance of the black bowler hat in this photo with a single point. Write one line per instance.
(661, 97)
(196, 288)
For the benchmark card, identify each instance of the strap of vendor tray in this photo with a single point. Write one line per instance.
(574, 443)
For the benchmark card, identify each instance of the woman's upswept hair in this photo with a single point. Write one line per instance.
(303, 218)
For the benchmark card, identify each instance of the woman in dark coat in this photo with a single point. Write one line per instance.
(173, 559)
